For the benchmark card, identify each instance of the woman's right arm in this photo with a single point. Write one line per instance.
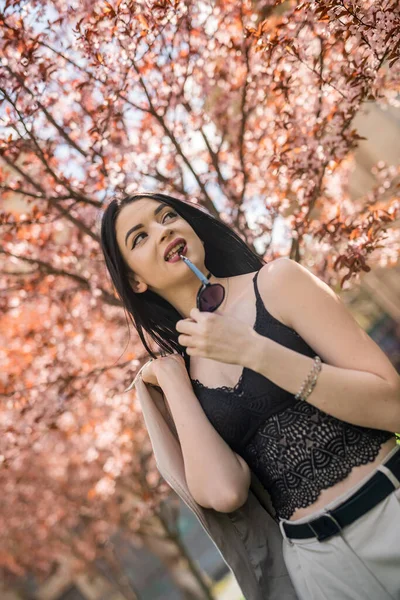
(217, 477)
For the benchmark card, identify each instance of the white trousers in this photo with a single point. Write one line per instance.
(362, 562)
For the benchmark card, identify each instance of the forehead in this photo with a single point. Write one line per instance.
(134, 213)
(137, 209)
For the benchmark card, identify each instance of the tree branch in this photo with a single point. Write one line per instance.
(47, 268)
(48, 115)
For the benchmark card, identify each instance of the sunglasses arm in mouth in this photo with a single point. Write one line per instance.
(195, 270)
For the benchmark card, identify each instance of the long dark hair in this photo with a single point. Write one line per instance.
(226, 254)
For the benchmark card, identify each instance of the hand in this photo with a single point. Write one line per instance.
(148, 374)
(154, 369)
(216, 336)
(170, 362)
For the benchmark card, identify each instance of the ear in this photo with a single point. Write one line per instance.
(137, 285)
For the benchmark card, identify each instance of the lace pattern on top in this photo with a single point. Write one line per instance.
(300, 451)
(295, 449)
(223, 388)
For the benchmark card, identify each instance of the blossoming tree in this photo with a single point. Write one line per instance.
(241, 106)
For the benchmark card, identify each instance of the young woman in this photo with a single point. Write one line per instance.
(285, 383)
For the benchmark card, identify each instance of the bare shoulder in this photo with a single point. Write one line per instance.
(276, 267)
(274, 286)
(318, 314)
(270, 283)
(295, 284)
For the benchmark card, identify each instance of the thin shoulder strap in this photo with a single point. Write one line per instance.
(255, 284)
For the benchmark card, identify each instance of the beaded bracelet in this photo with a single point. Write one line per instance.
(310, 388)
(310, 381)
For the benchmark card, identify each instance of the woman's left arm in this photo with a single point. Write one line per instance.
(359, 384)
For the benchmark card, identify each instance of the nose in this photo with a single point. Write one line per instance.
(167, 235)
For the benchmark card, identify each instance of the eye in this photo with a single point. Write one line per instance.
(169, 212)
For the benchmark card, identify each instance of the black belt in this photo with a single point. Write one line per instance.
(332, 522)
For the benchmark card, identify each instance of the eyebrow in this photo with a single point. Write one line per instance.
(140, 225)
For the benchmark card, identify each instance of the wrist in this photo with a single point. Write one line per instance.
(254, 351)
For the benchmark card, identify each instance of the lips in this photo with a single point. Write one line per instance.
(172, 244)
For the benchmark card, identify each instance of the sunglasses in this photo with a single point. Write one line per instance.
(210, 295)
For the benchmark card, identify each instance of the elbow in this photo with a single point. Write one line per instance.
(231, 497)
(238, 496)
(231, 502)
(224, 503)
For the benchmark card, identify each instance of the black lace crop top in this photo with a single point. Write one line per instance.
(295, 449)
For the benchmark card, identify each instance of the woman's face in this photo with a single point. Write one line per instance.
(143, 250)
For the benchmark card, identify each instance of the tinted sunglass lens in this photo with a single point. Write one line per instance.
(211, 297)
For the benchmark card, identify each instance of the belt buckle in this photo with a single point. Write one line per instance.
(330, 526)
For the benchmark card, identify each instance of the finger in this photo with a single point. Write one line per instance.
(185, 326)
(185, 340)
(200, 316)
